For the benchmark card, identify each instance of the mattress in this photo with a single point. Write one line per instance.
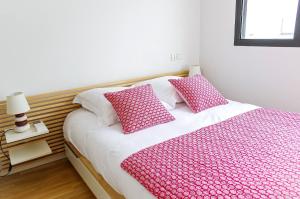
(107, 147)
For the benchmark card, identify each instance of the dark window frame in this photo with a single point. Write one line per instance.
(238, 41)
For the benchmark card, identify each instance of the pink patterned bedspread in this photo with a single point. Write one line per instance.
(253, 155)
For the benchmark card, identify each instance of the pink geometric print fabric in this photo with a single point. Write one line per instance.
(254, 155)
(138, 108)
(198, 93)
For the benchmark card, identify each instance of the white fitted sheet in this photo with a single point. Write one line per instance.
(107, 147)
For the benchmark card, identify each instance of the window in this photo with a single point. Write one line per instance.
(267, 23)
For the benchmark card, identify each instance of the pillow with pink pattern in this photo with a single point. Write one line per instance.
(198, 93)
(138, 108)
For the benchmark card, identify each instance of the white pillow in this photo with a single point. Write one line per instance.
(94, 101)
(164, 90)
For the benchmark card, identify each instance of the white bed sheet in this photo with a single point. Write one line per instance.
(107, 147)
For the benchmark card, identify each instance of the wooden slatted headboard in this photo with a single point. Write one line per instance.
(52, 108)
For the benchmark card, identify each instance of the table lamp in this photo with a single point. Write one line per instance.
(17, 105)
(194, 70)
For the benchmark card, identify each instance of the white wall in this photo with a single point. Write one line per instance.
(48, 45)
(264, 76)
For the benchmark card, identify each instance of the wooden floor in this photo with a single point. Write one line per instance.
(57, 180)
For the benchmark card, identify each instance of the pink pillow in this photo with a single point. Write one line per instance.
(198, 93)
(138, 108)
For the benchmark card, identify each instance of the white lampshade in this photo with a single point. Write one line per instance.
(17, 103)
(194, 70)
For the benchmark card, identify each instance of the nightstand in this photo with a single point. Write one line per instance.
(22, 149)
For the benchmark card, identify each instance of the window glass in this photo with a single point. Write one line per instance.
(269, 19)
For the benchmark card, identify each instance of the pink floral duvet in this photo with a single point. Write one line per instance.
(253, 155)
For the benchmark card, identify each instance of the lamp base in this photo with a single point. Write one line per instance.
(21, 123)
(21, 129)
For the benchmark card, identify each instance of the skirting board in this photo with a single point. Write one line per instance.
(87, 177)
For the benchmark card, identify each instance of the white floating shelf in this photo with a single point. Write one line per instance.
(29, 151)
(12, 136)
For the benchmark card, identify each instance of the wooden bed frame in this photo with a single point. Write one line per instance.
(100, 188)
(53, 108)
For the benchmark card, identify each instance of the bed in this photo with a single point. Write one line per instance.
(104, 146)
(233, 150)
